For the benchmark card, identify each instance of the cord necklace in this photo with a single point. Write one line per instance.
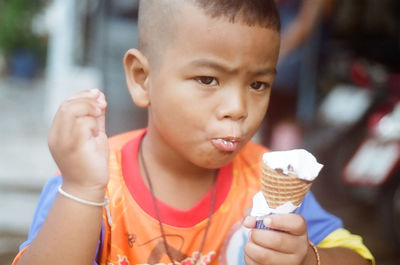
(146, 173)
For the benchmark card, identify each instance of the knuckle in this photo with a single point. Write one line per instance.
(248, 261)
(91, 106)
(278, 240)
(69, 101)
(85, 123)
(66, 109)
(247, 248)
(262, 257)
(82, 121)
(253, 251)
(63, 107)
(302, 225)
(260, 236)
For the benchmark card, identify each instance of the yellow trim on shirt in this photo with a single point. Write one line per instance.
(343, 238)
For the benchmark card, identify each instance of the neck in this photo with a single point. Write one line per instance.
(175, 181)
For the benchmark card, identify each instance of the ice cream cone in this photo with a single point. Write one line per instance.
(279, 188)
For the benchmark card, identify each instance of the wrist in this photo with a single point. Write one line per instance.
(312, 256)
(93, 193)
(88, 200)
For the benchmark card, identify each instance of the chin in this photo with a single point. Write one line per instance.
(221, 161)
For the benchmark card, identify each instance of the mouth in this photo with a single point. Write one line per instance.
(226, 144)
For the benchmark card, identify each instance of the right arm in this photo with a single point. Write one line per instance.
(79, 145)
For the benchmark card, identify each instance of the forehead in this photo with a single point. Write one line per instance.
(200, 35)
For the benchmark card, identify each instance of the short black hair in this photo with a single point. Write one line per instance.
(251, 12)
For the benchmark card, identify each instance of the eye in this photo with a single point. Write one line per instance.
(207, 80)
(259, 86)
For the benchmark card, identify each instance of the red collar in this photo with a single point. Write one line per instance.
(168, 214)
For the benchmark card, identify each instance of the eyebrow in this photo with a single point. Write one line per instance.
(222, 68)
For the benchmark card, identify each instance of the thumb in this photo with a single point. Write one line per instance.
(294, 224)
(249, 222)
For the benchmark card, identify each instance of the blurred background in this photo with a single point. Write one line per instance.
(336, 94)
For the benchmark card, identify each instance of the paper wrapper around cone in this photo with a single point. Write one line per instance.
(279, 188)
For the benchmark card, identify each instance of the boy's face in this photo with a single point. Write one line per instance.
(211, 91)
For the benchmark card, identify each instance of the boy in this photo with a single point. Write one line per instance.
(177, 190)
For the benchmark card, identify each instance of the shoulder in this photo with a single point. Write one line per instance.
(252, 152)
(116, 142)
(248, 163)
(320, 223)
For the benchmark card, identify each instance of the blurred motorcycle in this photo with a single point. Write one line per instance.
(361, 123)
(376, 164)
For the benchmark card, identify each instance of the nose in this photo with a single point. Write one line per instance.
(233, 104)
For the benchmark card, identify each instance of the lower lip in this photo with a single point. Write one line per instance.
(225, 146)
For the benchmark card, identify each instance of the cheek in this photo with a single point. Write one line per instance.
(258, 111)
(177, 109)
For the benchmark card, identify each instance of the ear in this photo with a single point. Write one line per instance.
(137, 69)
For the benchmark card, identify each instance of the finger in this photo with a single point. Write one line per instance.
(249, 222)
(79, 131)
(246, 212)
(256, 254)
(64, 121)
(71, 111)
(294, 224)
(259, 255)
(101, 120)
(92, 96)
(101, 100)
(89, 102)
(248, 260)
(89, 93)
(85, 128)
(274, 240)
(80, 107)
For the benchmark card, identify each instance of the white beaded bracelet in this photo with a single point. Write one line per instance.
(100, 204)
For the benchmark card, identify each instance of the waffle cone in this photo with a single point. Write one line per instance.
(279, 188)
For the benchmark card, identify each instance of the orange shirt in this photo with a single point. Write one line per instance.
(135, 236)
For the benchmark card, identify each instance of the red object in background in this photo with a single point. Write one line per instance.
(377, 115)
(360, 75)
(393, 84)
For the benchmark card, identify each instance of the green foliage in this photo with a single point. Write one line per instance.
(16, 26)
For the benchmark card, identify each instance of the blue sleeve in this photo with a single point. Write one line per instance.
(46, 199)
(320, 223)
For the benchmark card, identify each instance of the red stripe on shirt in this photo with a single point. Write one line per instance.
(170, 215)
